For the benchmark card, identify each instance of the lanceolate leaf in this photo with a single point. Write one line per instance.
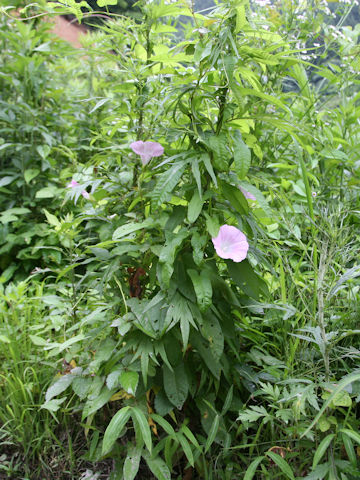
(167, 182)
(202, 287)
(212, 433)
(114, 429)
(137, 414)
(242, 157)
(282, 464)
(322, 448)
(250, 472)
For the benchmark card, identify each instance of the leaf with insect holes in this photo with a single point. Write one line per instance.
(176, 384)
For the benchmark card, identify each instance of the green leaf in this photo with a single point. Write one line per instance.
(347, 380)
(349, 447)
(167, 182)
(202, 287)
(105, 3)
(114, 429)
(244, 277)
(194, 207)
(282, 464)
(158, 467)
(176, 384)
(218, 145)
(6, 180)
(212, 433)
(323, 446)
(43, 151)
(206, 160)
(228, 400)
(234, 197)
(94, 404)
(31, 173)
(163, 423)
(186, 448)
(51, 219)
(351, 434)
(129, 381)
(47, 192)
(202, 346)
(144, 426)
(129, 228)
(212, 225)
(242, 157)
(59, 386)
(53, 405)
(250, 472)
(132, 462)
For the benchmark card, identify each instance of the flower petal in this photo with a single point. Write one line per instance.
(231, 243)
(147, 150)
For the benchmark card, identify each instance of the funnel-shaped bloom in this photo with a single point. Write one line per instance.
(74, 184)
(247, 194)
(147, 150)
(231, 243)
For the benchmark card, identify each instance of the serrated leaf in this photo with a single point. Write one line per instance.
(114, 429)
(176, 384)
(167, 181)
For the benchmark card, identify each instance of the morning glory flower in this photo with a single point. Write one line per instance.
(74, 184)
(247, 194)
(231, 243)
(147, 150)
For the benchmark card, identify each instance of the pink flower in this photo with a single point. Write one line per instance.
(147, 150)
(74, 184)
(231, 243)
(247, 194)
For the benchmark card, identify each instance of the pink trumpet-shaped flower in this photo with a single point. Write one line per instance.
(231, 243)
(247, 194)
(74, 184)
(147, 150)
